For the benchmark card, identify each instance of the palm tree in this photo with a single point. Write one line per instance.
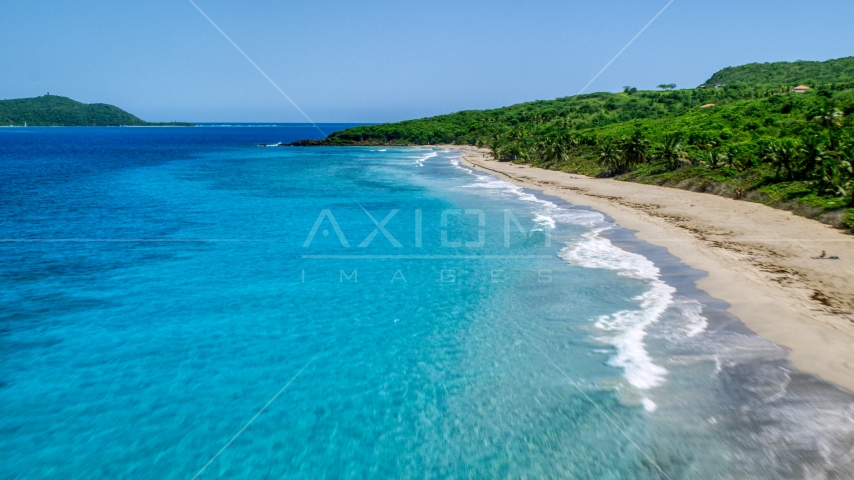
(554, 149)
(527, 148)
(846, 172)
(829, 117)
(785, 157)
(812, 156)
(828, 176)
(611, 159)
(518, 133)
(769, 154)
(635, 149)
(495, 150)
(716, 159)
(670, 152)
(571, 141)
(561, 149)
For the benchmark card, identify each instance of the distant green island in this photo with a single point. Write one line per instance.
(56, 111)
(777, 133)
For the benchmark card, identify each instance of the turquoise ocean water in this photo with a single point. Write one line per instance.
(362, 313)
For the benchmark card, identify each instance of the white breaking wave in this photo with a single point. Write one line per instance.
(694, 322)
(649, 405)
(626, 329)
(455, 161)
(420, 160)
(500, 187)
(544, 221)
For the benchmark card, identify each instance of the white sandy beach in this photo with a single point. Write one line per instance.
(757, 257)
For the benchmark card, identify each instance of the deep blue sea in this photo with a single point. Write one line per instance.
(180, 303)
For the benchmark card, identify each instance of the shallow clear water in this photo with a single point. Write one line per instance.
(160, 287)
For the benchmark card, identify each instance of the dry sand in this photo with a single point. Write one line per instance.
(757, 257)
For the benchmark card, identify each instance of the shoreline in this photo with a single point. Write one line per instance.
(757, 258)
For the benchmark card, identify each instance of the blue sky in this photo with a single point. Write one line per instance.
(378, 60)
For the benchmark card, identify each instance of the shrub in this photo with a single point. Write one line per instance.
(849, 218)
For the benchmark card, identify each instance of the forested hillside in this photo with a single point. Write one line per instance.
(761, 141)
(53, 110)
(786, 73)
(576, 113)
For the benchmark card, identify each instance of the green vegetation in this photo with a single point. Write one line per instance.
(759, 141)
(53, 111)
(786, 73)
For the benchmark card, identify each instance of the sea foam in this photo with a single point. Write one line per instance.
(625, 330)
(419, 161)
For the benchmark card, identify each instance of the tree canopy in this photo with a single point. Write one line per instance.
(53, 111)
(785, 73)
(762, 141)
